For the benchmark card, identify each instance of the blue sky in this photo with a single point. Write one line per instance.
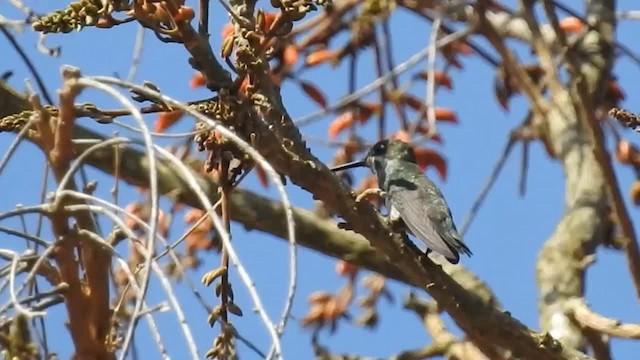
(505, 237)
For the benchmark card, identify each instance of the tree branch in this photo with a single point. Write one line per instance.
(485, 324)
(579, 311)
(561, 263)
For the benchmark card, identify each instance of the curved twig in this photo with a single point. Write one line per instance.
(153, 188)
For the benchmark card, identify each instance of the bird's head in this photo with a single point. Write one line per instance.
(389, 149)
(383, 150)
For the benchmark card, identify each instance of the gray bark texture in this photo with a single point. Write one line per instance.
(561, 263)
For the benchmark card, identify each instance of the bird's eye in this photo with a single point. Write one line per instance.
(379, 149)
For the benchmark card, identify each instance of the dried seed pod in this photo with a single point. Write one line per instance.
(261, 21)
(213, 353)
(227, 47)
(214, 315)
(234, 309)
(229, 291)
(369, 319)
(211, 276)
(218, 341)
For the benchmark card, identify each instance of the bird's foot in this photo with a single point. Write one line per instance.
(373, 191)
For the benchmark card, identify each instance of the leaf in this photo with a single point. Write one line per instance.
(243, 85)
(446, 114)
(428, 157)
(276, 79)
(234, 309)
(423, 130)
(269, 18)
(197, 80)
(440, 78)
(314, 93)
(626, 153)
(262, 176)
(441, 114)
(163, 223)
(402, 135)
(319, 56)
(353, 146)
(290, 55)
(437, 139)
(193, 215)
(453, 49)
(413, 102)
(344, 268)
(369, 109)
(461, 47)
(134, 209)
(614, 93)
(340, 123)
(315, 315)
(571, 24)
(634, 193)
(319, 297)
(167, 119)
(452, 59)
(505, 85)
(227, 29)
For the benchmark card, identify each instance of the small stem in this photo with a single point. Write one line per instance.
(203, 22)
(223, 170)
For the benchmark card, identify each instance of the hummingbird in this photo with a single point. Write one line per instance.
(411, 196)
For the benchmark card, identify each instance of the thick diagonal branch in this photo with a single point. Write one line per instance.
(485, 324)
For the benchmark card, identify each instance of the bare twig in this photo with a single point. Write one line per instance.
(497, 168)
(444, 342)
(381, 81)
(430, 101)
(25, 58)
(155, 210)
(12, 276)
(207, 204)
(578, 310)
(16, 141)
(166, 285)
(203, 20)
(137, 54)
(388, 49)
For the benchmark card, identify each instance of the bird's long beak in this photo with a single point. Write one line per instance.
(349, 165)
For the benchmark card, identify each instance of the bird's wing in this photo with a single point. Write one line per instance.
(413, 207)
